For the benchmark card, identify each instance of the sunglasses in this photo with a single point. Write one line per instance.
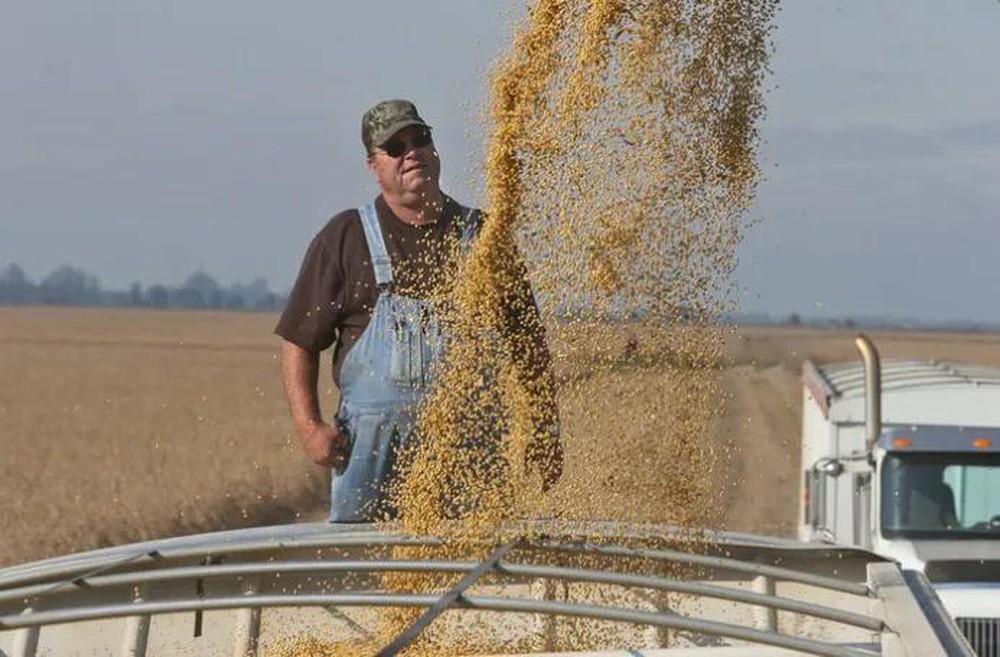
(395, 146)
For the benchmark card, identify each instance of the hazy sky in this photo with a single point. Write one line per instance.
(142, 140)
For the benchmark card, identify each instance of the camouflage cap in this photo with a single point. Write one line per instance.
(386, 119)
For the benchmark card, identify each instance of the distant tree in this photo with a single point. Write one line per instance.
(794, 320)
(235, 301)
(216, 299)
(157, 296)
(251, 293)
(15, 286)
(269, 301)
(187, 297)
(69, 286)
(199, 291)
(135, 297)
(202, 282)
(258, 285)
(115, 298)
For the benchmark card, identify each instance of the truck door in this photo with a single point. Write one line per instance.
(842, 491)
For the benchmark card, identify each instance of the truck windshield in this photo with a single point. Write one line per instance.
(941, 495)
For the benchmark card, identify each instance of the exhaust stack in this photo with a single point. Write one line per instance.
(873, 390)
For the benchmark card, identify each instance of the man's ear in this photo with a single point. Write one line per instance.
(371, 165)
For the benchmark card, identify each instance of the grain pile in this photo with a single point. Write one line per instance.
(619, 173)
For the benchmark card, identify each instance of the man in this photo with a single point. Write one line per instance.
(364, 288)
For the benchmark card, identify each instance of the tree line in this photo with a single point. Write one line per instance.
(70, 286)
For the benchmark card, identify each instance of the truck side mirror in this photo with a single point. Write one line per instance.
(830, 467)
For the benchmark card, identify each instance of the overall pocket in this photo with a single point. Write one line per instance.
(401, 347)
(415, 343)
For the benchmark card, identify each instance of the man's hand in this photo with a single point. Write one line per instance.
(325, 445)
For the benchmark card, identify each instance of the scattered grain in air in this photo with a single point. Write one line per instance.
(620, 170)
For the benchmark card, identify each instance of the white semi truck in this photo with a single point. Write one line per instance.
(903, 458)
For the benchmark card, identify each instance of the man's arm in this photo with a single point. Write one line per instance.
(324, 444)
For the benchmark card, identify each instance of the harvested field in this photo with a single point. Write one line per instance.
(124, 425)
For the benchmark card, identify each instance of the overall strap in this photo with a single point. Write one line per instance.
(376, 245)
(470, 231)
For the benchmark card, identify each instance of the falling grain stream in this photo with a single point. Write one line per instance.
(619, 175)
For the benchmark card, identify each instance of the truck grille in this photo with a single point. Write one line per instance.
(983, 634)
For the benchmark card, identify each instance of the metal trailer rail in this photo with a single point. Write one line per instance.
(326, 565)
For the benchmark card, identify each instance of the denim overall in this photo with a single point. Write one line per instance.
(382, 380)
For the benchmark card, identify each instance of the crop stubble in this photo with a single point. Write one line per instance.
(126, 425)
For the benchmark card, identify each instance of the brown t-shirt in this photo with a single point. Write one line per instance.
(335, 293)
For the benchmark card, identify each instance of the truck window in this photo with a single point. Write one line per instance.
(928, 495)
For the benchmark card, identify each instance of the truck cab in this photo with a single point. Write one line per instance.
(921, 487)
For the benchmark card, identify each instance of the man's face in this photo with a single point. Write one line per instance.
(407, 166)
